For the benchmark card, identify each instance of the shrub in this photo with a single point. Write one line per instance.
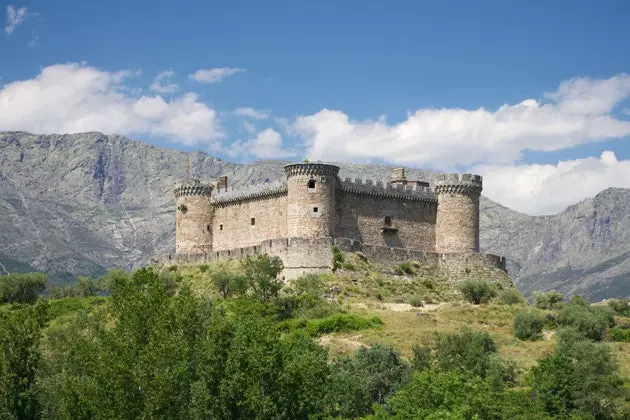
(477, 291)
(338, 260)
(528, 325)
(405, 268)
(512, 296)
(341, 323)
(591, 322)
(415, 301)
(262, 272)
(357, 383)
(469, 351)
(204, 267)
(619, 334)
(228, 283)
(547, 300)
(21, 288)
(620, 307)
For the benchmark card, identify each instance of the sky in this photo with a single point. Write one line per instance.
(532, 95)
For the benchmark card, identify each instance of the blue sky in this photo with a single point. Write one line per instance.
(448, 85)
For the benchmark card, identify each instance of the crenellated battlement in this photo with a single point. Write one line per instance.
(458, 183)
(257, 191)
(388, 190)
(311, 169)
(192, 187)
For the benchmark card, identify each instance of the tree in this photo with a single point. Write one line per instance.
(21, 288)
(478, 291)
(547, 300)
(20, 334)
(262, 271)
(528, 325)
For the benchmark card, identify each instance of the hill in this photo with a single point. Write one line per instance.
(80, 204)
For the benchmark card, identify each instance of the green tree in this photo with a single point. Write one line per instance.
(21, 288)
(20, 335)
(547, 300)
(262, 271)
(511, 296)
(357, 383)
(581, 378)
(478, 291)
(592, 322)
(528, 325)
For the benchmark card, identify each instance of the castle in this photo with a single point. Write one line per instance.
(301, 217)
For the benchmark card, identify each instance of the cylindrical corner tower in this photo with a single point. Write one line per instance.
(311, 199)
(193, 220)
(457, 224)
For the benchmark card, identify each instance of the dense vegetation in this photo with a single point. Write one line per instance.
(154, 347)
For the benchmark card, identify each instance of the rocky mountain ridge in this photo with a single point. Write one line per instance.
(80, 204)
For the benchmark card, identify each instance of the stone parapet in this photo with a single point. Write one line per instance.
(458, 184)
(192, 187)
(254, 192)
(388, 190)
(311, 169)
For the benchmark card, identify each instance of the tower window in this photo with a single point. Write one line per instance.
(315, 209)
(311, 184)
(220, 227)
(388, 221)
(253, 221)
(208, 228)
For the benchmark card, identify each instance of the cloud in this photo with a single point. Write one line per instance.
(267, 144)
(548, 189)
(34, 41)
(257, 114)
(214, 75)
(160, 83)
(578, 112)
(70, 98)
(249, 127)
(15, 17)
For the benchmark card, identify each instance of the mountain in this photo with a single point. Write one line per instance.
(80, 204)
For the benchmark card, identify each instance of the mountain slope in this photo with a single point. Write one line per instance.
(80, 204)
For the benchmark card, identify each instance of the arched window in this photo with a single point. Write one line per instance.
(311, 184)
(388, 221)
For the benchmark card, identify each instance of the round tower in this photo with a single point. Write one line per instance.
(311, 199)
(193, 220)
(457, 224)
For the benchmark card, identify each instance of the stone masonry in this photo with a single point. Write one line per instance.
(312, 209)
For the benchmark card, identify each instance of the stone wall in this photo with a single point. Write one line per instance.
(233, 228)
(389, 222)
(307, 255)
(193, 217)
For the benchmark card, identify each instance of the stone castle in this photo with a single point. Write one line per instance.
(301, 218)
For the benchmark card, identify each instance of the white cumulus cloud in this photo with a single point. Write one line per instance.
(578, 112)
(267, 144)
(257, 114)
(161, 83)
(548, 189)
(214, 75)
(15, 17)
(73, 97)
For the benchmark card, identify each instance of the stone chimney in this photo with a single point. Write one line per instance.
(223, 183)
(398, 176)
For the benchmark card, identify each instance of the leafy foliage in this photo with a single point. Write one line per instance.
(478, 291)
(592, 322)
(21, 288)
(511, 296)
(368, 378)
(547, 300)
(262, 272)
(528, 325)
(338, 259)
(620, 307)
(619, 334)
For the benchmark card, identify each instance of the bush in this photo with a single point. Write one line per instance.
(591, 322)
(341, 323)
(477, 291)
(21, 288)
(415, 301)
(338, 260)
(512, 296)
(468, 351)
(405, 268)
(204, 267)
(620, 307)
(227, 283)
(528, 325)
(262, 272)
(619, 334)
(357, 383)
(547, 300)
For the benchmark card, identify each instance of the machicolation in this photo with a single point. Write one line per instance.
(300, 218)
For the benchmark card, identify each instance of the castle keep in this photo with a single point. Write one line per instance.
(302, 216)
